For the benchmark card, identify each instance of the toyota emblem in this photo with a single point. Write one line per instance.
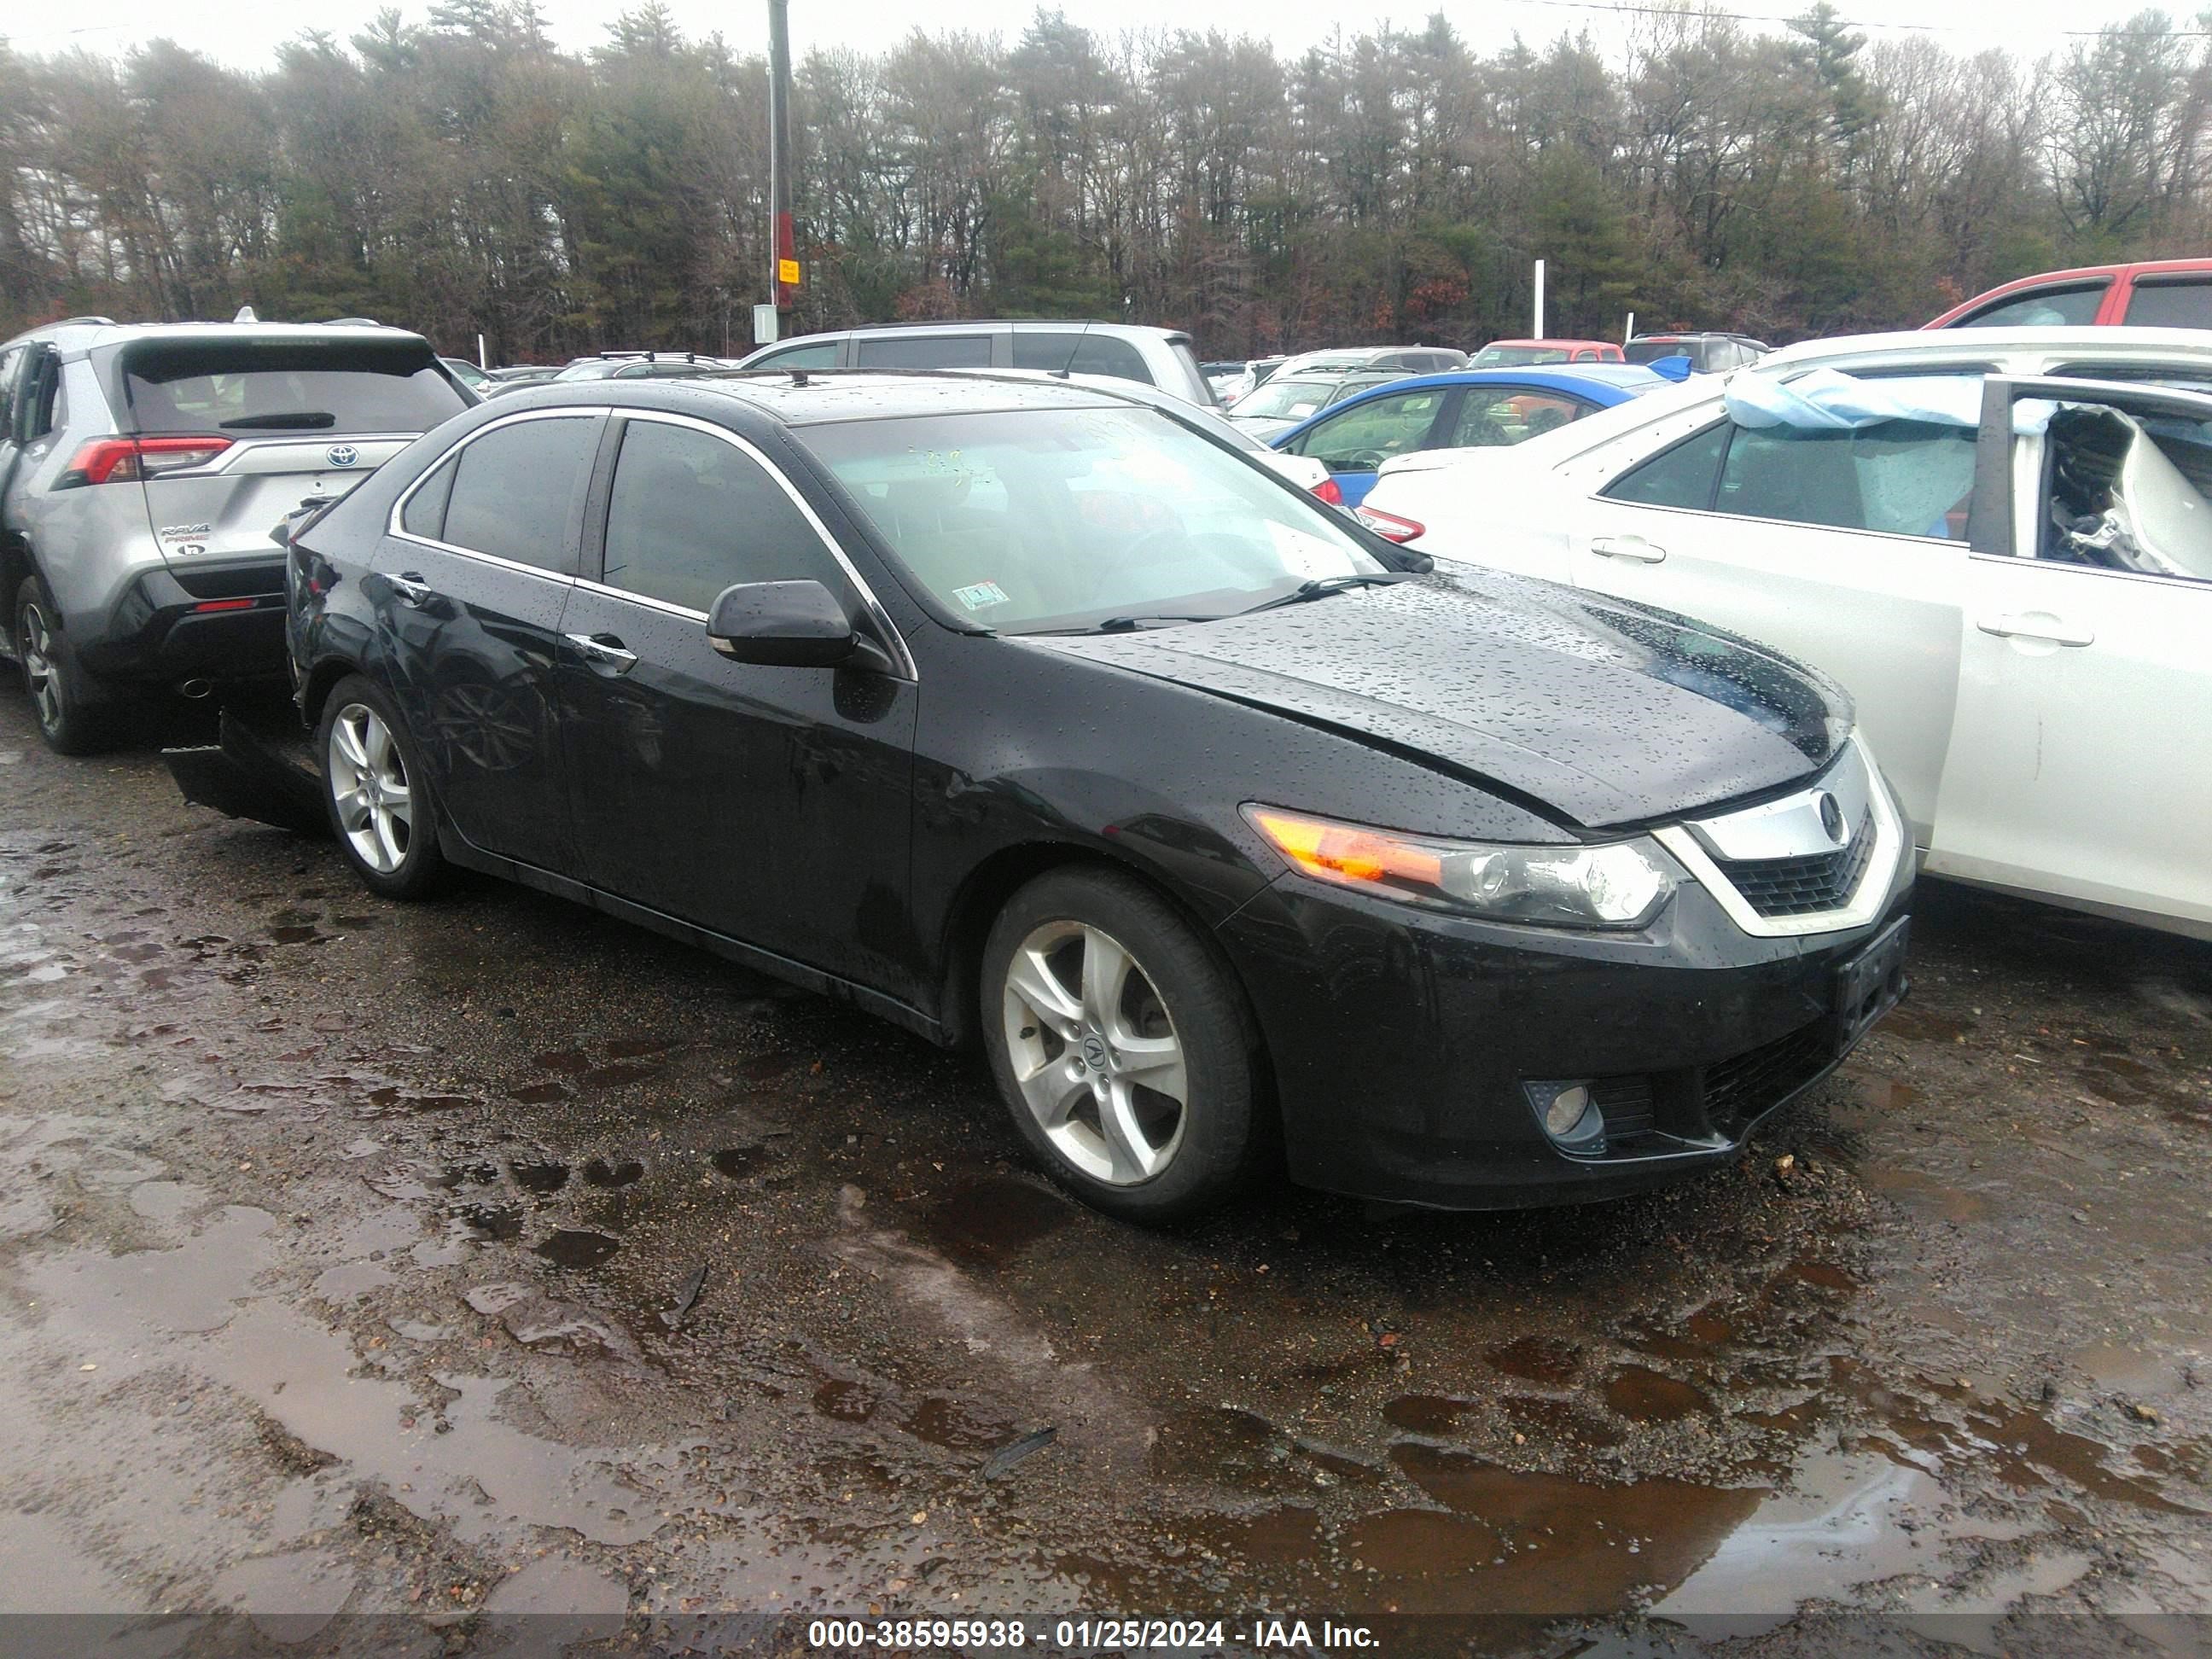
(342, 454)
(1832, 819)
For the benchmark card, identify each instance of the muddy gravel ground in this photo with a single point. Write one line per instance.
(379, 1271)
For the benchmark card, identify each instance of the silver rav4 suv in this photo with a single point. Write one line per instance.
(142, 469)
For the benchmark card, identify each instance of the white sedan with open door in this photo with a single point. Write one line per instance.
(2007, 562)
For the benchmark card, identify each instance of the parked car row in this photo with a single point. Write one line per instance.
(1508, 833)
(2000, 540)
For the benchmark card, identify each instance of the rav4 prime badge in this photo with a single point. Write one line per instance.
(183, 533)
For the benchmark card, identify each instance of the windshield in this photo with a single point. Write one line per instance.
(1287, 400)
(598, 368)
(1494, 356)
(1043, 518)
(292, 386)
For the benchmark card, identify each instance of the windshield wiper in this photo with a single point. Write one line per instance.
(1321, 586)
(305, 419)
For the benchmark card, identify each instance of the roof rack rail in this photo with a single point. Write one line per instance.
(107, 321)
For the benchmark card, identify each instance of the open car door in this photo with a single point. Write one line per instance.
(2077, 764)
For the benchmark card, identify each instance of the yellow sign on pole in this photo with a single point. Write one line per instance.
(786, 270)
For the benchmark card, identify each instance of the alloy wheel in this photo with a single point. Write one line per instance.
(368, 783)
(38, 674)
(1095, 1054)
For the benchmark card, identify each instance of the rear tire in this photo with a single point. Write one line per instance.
(376, 793)
(1121, 1046)
(77, 714)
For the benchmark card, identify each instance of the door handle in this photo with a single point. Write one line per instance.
(411, 588)
(603, 653)
(2050, 629)
(1634, 548)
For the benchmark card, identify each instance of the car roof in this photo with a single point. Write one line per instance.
(1552, 340)
(2023, 349)
(77, 336)
(1581, 379)
(817, 397)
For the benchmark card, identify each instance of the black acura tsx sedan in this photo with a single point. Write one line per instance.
(1020, 713)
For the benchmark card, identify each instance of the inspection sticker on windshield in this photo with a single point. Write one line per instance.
(982, 597)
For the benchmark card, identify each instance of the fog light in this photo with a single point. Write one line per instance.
(1565, 1112)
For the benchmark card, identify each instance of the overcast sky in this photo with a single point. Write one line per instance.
(247, 35)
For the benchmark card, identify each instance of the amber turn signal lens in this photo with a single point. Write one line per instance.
(1337, 852)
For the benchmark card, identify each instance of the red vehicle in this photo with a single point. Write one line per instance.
(2152, 293)
(1530, 354)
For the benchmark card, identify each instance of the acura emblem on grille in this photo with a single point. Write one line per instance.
(1832, 819)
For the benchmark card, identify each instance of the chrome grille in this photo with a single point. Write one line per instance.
(1803, 886)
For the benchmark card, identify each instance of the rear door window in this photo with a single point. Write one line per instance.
(1506, 414)
(1079, 354)
(691, 514)
(245, 387)
(1897, 477)
(517, 491)
(924, 351)
(2042, 307)
(2183, 302)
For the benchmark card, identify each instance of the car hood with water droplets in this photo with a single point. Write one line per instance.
(1601, 713)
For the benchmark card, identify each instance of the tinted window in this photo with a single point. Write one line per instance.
(1900, 477)
(1506, 414)
(247, 386)
(819, 354)
(2171, 305)
(517, 491)
(925, 352)
(2042, 307)
(1361, 440)
(691, 515)
(1682, 476)
(1081, 353)
(425, 513)
(1652, 349)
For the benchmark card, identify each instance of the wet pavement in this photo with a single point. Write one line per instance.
(485, 1256)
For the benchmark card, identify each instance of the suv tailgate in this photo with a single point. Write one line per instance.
(297, 418)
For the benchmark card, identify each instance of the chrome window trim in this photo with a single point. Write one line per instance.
(393, 529)
(869, 603)
(1865, 903)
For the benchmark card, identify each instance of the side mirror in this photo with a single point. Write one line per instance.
(792, 624)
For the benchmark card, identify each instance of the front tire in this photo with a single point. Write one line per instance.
(376, 793)
(77, 714)
(1120, 1046)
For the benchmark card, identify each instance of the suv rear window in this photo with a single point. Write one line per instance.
(247, 386)
(1080, 354)
(1651, 351)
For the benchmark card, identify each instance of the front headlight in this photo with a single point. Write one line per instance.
(1617, 884)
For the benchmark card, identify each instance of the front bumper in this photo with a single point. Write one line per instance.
(1403, 1040)
(219, 619)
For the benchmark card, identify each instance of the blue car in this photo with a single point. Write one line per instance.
(1462, 409)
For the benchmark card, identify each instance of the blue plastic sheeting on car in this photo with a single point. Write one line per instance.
(1823, 400)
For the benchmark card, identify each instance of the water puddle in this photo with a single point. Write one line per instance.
(623, 1172)
(539, 1177)
(986, 1223)
(1644, 1396)
(1538, 1359)
(574, 1248)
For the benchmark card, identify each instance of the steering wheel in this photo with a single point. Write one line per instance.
(1359, 460)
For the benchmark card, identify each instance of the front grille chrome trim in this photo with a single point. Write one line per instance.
(1862, 907)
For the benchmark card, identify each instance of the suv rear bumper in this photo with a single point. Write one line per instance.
(220, 620)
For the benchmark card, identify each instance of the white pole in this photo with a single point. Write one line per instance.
(1540, 301)
(1629, 333)
(483, 362)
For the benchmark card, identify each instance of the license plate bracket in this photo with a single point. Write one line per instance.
(1870, 983)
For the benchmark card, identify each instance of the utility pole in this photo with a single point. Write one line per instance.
(783, 257)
